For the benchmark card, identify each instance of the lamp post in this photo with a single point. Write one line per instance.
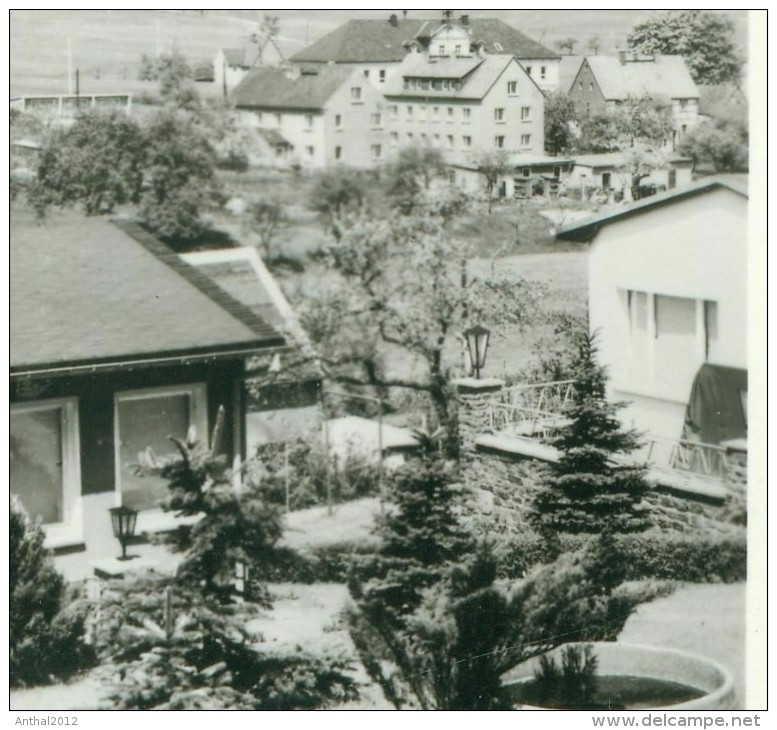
(477, 344)
(123, 521)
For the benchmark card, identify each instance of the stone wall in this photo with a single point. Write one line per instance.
(501, 486)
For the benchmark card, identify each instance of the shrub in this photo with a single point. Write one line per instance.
(664, 556)
(572, 686)
(325, 564)
(183, 651)
(46, 623)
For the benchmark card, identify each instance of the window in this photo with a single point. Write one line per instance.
(356, 93)
(525, 140)
(452, 177)
(409, 137)
(526, 172)
(146, 418)
(581, 85)
(436, 113)
(437, 84)
(338, 121)
(394, 139)
(410, 112)
(512, 87)
(338, 152)
(422, 112)
(556, 172)
(382, 75)
(278, 119)
(424, 139)
(467, 141)
(457, 50)
(366, 73)
(259, 117)
(499, 141)
(310, 151)
(309, 121)
(436, 140)
(683, 103)
(450, 113)
(499, 115)
(669, 337)
(525, 113)
(375, 119)
(376, 151)
(466, 113)
(591, 86)
(441, 49)
(542, 72)
(528, 70)
(394, 111)
(44, 458)
(498, 46)
(450, 141)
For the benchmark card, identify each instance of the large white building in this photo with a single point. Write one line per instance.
(466, 104)
(668, 297)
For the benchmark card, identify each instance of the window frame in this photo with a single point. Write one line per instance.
(70, 449)
(198, 394)
(512, 88)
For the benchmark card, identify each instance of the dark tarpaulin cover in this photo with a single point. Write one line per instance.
(717, 410)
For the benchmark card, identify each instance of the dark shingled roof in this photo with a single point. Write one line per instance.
(360, 41)
(88, 290)
(273, 88)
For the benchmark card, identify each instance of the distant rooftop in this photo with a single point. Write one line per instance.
(375, 41)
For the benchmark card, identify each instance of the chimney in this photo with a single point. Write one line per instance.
(480, 49)
(464, 20)
(393, 20)
(404, 14)
(447, 16)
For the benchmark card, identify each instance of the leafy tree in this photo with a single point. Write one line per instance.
(235, 526)
(396, 305)
(703, 38)
(97, 162)
(266, 218)
(587, 490)
(594, 44)
(559, 118)
(335, 193)
(46, 634)
(432, 626)
(179, 176)
(411, 175)
(566, 44)
(721, 144)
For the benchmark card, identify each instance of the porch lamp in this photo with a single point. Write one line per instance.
(123, 520)
(477, 343)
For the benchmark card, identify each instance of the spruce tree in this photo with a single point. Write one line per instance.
(589, 489)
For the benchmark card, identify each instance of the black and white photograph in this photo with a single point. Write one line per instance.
(387, 360)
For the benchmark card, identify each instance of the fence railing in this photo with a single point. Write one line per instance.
(687, 456)
(538, 411)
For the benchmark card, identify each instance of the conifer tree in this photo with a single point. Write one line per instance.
(588, 489)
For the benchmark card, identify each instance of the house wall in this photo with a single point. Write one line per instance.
(544, 71)
(586, 94)
(358, 132)
(302, 129)
(473, 118)
(695, 250)
(96, 467)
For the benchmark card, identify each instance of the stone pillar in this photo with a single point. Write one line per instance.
(474, 397)
(735, 478)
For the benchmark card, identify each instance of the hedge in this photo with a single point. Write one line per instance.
(666, 556)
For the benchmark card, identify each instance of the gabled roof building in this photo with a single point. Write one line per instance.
(315, 117)
(604, 82)
(376, 47)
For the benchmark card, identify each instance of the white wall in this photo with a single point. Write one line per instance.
(694, 248)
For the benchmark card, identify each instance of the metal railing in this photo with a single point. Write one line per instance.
(686, 456)
(538, 411)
